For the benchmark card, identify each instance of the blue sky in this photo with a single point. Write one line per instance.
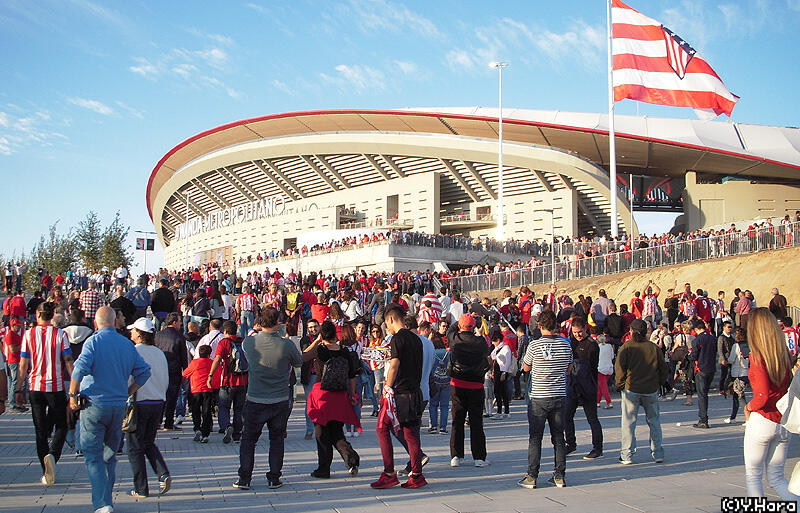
(94, 94)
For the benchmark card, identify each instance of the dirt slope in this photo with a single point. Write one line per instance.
(757, 272)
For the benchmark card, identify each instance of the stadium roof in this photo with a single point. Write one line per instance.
(649, 146)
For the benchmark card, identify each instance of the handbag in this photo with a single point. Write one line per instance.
(131, 415)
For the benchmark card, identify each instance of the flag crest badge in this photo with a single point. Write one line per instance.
(679, 52)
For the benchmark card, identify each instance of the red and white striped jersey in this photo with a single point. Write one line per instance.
(46, 347)
(792, 339)
(273, 300)
(550, 299)
(429, 315)
(650, 302)
(687, 304)
(246, 302)
(435, 304)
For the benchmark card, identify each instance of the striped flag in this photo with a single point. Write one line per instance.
(652, 64)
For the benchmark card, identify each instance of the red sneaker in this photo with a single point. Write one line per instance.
(385, 481)
(415, 482)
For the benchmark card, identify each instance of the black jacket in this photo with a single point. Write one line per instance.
(469, 355)
(173, 344)
(162, 300)
(615, 325)
(704, 352)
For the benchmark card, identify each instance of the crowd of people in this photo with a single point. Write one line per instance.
(93, 366)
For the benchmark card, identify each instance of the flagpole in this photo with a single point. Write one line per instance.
(612, 150)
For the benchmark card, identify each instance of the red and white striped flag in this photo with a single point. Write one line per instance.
(653, 65)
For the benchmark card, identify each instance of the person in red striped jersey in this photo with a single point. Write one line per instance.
(47, 353)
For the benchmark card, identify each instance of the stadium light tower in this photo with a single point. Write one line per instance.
(501, 235)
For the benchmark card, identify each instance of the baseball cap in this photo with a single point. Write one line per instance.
(639, 326)
(466, 322)
(143, 324)
(16, 321)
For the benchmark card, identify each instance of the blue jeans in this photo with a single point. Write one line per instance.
(74, 436)
(247, 319)
(307, 388)
(180, 406)
(368, 388)
(12, 373)
(440, 402)
(550, 410)
(256, 415)
(101, 434)
(630, 409)
(357, 406)
(231, 396)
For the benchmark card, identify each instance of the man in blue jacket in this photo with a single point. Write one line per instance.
(101, 372)
(704, 352)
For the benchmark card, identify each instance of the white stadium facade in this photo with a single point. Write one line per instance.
(277, 181)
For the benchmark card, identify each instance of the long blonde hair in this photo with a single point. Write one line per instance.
(767, 341)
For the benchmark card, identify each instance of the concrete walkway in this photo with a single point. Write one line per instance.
(701, 467)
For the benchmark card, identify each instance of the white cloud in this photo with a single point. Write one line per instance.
(144, 68)
(92, 105)
(282, 87)
(217, 38)
(185, 70)
(384, 16)
(130, 110)
(357, 77)
(213, 57)
(256, 7)
(459, 59)
(407, 67)
(579, 42)
(18, 131)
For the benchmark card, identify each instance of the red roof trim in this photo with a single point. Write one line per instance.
(437, 115)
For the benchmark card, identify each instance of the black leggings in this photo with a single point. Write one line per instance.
(500, 391)
(331, 436)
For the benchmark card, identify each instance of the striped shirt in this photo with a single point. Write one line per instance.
(246, 302)
(435, 304)
(273, 300)
(792, 339)
(549, 358)
(46, 347)
(429, 315)
(650, 302)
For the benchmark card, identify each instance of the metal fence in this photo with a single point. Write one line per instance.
(573, 268)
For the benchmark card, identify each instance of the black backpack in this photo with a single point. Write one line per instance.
(335, 374)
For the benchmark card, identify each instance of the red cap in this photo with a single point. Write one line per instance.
(15, 321)
(466, 322)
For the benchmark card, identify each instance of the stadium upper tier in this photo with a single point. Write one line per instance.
(298, 155)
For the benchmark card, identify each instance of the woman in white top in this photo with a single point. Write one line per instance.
(605, 368)
(149, 405)
(351, 307)
(501, 356)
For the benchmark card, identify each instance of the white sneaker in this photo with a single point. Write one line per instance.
(105, 509)
(179, 420)
(49, 469)
(356, 434)
(348, 434)
(455, 462)
(481, 463)
(727, 420)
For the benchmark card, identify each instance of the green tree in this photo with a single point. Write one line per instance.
(89, 238)
(54, 252)
(114, 250)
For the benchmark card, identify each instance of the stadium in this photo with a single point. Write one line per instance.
(297, 179)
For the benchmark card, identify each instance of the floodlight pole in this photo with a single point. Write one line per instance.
(552, 243)
(500, 233)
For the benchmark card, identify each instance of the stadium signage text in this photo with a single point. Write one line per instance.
(258, 209)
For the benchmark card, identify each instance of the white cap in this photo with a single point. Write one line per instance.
(143, 324)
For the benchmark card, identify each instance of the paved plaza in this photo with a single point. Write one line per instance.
(701, 467)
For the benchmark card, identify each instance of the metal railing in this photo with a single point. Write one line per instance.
(467, 217)
(573, 268)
